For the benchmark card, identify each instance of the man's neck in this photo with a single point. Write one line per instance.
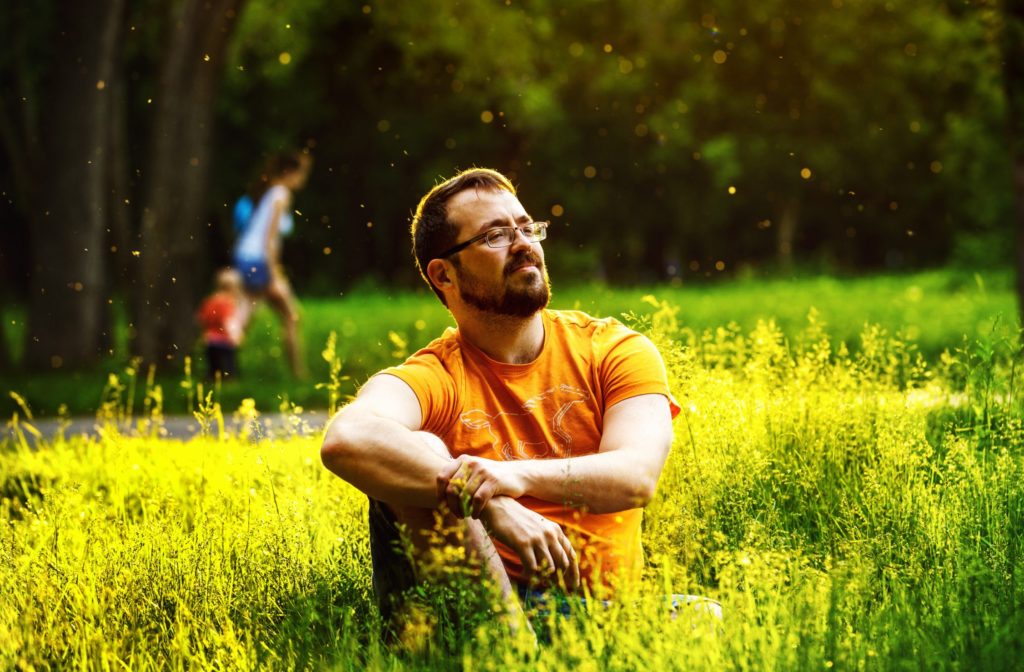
(510, 340)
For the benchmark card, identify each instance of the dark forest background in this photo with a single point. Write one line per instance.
(667, 141)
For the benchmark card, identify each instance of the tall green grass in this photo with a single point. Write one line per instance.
(850, 508)
(934, 311)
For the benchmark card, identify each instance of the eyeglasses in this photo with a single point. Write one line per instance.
(503, 236)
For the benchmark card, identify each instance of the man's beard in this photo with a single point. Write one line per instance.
(508, 300)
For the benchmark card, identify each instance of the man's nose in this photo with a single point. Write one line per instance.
(520, 239)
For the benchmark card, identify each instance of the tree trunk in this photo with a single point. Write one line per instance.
(171, 273)
(19, 135)
(67, 235)
(121, 232)
(1013, 60)
(19, 110)
(789, 217)
(6, 363)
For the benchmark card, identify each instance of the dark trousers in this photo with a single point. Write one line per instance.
(220, 358)
(393, 573)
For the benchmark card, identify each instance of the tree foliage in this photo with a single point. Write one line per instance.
(671, 136)
(666, 140)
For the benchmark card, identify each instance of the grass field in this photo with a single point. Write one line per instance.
(851, 508)
(933, 311)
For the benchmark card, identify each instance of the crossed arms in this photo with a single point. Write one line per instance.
(372, 444)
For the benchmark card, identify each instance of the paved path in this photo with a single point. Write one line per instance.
(272, 425)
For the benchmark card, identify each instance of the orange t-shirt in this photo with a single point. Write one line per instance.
(552, 407)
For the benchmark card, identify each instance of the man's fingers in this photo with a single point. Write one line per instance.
(572, 576)
(482, 495)
(529, 560)
(545, 563)
(454, 499)
(444, 477)
(561, 558)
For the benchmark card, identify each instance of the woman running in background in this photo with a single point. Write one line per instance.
(257, 251)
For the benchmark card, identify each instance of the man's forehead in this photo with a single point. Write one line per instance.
(478, 205)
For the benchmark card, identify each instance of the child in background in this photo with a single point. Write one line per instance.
(222, 328)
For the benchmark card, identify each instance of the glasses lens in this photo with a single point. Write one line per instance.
(504, 236)
(501, 236)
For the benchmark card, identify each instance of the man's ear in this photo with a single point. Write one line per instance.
(439, 274)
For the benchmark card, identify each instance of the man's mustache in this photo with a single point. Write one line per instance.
(524, 258)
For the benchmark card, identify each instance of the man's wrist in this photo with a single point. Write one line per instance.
(497, 506)
(518, 473)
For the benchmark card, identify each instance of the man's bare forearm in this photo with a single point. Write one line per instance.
(622, 475)
(601, 483)
(382, 458)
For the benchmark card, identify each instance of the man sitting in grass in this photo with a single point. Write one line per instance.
(537, 435)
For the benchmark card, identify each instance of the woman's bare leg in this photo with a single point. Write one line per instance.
(283, 301)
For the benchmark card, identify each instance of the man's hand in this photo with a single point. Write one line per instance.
(541, 545)
(475, 480)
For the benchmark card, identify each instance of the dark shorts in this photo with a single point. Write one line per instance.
(399, 592)
(255, 274)
(220, 358)
(393, 573)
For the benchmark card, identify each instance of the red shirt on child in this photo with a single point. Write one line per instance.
(214, 316)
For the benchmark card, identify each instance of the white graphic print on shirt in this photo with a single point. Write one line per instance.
(550, 406)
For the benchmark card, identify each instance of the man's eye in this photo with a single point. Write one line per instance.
(528, 229)
(497, 235)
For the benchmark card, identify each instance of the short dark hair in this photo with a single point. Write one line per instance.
(432, 231)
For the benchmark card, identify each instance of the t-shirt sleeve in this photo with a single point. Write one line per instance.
(630, 365)
(434, 386)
